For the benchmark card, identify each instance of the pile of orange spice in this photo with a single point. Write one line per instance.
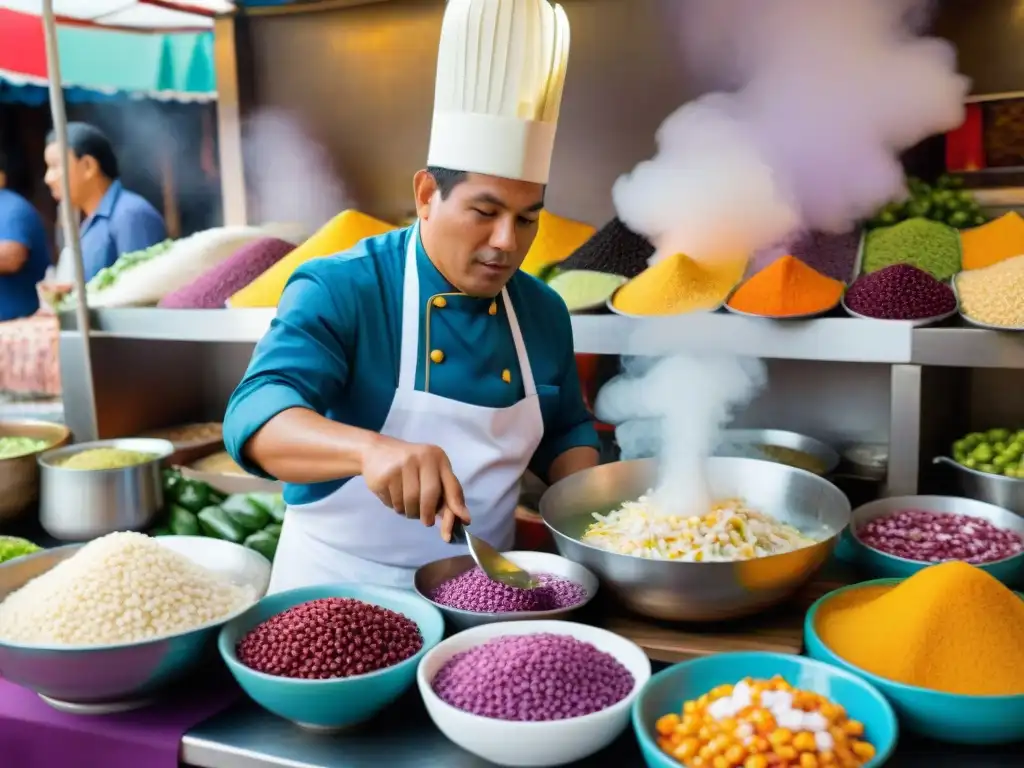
(993, 242)
(787, 288)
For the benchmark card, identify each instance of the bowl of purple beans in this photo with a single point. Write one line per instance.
(903, 293)
(532, 693)
(896, 537)
(468, 598)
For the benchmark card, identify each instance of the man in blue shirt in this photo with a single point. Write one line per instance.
(24, 251)
(422, 373)
(117, 221)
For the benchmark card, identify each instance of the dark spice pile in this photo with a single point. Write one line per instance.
(832, 255)
(900, 292)
(615, 249)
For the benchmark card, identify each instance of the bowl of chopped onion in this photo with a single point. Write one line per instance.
(769, 529)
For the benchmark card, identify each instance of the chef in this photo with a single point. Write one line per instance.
(412, 380)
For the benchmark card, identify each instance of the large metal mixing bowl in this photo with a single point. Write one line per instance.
(110, 676)
(700, 592)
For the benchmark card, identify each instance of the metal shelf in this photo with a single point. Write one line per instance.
(830, 339)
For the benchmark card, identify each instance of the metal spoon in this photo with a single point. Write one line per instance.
(491, 562)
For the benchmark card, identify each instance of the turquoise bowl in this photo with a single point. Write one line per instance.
(667, 690)
(881, 565)
(948, 717)
(330, 704)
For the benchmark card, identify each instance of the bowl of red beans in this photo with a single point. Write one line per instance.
(896, 537)
(330, 657)
(467, 597)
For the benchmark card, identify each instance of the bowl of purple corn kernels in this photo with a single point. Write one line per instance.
(532, 693)
(468, 598)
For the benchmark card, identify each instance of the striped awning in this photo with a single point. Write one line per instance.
(172, 66)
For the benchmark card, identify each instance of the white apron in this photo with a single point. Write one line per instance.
(350, 536)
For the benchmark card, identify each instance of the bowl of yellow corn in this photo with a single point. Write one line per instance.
(757, 710)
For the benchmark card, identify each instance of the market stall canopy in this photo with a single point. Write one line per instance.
(162, 50)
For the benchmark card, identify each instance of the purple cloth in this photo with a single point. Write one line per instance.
(34, 735)
(212, 289)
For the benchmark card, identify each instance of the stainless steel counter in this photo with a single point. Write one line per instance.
(404, 737)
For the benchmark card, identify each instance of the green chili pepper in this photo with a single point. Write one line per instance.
(272, 502)
(161, 532)
(217, 524)
(264, 543)
(183, 523)
(246, 513)
(172, 480)
(274, 529)
(193, 495)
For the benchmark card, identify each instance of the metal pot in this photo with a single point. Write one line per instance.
(1005, 492)
(80, 504)
(700, 592)
(19, 476)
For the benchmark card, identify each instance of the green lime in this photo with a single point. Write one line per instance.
(959, 219)
(887, 218)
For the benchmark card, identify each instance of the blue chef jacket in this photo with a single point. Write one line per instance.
(124, 223)
(334, 348)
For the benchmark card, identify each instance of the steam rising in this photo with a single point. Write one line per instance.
(288, 174)
(680, 404)
(826, 93)
(823, 96)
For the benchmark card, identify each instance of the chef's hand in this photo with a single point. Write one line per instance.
(415, 480)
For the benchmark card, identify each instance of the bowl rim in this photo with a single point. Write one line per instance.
(822, 450)
(62, 430)
(540, 615)
(641, 728)
(112, 647)
(542, 626)
(229, 653)
(164, 448)
(854, 533)
(880, 682)
(720, 564)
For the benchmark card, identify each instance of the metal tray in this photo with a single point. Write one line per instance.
(783, 318)
(918, 323)
(611, 308)
(977, 323)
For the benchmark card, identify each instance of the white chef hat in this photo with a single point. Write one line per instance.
(500, 74)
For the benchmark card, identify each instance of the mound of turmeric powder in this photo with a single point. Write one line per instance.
(950, 627)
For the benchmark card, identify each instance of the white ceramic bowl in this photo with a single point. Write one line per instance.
(536, 744)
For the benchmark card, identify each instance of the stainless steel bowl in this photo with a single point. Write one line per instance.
(700, 592)
(432, 575)
(113, 674)
(19, 476)
(1005, 492)
(79, 504)
(741, 444)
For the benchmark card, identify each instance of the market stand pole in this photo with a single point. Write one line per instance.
(70, 225)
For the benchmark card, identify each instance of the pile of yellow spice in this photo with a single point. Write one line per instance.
(950, 627)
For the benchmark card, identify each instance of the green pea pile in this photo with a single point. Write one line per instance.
(997, 451)
(927, 245)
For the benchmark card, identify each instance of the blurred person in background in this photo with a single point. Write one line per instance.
(24, 250)
(116, 220)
